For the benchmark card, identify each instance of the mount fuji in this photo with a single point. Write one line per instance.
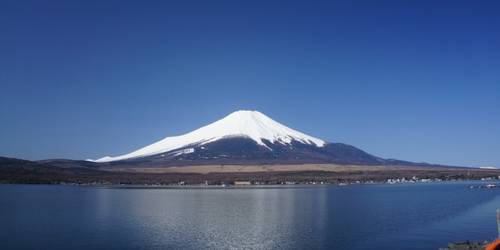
(244, 137)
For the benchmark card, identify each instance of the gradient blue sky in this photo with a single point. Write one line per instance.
(413, 80)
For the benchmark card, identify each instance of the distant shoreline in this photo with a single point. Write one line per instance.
(485, 184)
(28, 172)
(256, 179)
(291, 186)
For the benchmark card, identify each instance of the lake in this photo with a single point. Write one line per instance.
(403, 216)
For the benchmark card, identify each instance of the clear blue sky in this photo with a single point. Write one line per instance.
(413, 80)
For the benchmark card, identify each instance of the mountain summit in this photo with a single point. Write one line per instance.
(244, 137)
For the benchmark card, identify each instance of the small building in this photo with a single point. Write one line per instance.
(242, 183)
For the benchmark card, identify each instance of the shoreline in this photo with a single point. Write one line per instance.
(27, 173)
(484, 184)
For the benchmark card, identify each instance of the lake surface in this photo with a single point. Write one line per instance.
(405, 216)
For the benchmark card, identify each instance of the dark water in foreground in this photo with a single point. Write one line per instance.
(413, 216)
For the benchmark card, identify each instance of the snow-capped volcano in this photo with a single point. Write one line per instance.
(240, 124)
(243, 138)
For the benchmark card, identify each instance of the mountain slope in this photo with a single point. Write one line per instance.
(244, 151)
(244, 137)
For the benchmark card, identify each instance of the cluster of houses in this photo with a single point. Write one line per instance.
(411, 180)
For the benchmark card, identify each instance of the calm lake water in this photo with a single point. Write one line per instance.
(409, 216)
